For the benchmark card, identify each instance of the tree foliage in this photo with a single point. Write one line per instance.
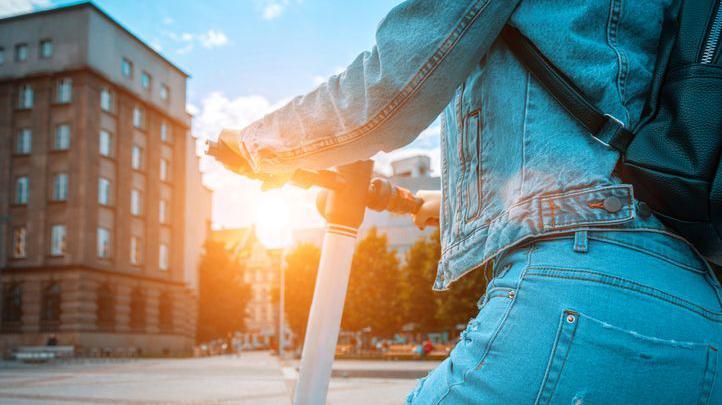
(419, 303)
(223, 294)
(300, 280)
(373, 291)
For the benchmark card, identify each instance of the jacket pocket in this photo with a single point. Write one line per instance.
(593, 362)
(472, 170)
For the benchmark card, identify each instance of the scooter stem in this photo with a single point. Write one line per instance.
(344, 210)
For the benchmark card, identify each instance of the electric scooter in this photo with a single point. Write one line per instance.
(346, 193)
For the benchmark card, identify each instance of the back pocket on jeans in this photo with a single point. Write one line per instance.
(593, 362)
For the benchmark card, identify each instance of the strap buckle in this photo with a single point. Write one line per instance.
(613, 134)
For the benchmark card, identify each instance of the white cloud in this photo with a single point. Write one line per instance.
(272, 9)
(9, 7)
(212, 39)
(209, 40)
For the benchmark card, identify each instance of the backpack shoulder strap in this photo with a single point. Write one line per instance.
(603, 127)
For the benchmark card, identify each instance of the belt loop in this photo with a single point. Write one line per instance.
(581, 241)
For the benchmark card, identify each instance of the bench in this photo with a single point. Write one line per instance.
(37, 354)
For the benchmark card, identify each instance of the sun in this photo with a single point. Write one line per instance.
(273, 225)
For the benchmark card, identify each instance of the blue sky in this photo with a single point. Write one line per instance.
(244, 58)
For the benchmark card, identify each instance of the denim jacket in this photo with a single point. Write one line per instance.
(515, 165)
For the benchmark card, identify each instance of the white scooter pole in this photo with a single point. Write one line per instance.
(344, 211)
(324, 320)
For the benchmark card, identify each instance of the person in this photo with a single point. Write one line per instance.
(592, 299)
(428, 347)
(52, 340)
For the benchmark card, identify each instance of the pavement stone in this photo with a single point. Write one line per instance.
(251, 378)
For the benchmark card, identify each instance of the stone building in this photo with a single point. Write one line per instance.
(96, 168)
(262, 269)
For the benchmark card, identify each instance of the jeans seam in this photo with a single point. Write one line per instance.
(561, 330)
(709, 380)
(627, 285)
(498, 330)
(401, 98)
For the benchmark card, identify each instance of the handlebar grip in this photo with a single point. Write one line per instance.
(384, 196)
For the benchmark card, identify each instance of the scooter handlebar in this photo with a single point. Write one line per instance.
(382, 194)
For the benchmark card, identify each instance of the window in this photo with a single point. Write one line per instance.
(12, 309)
(60, 187)
(145, 80)
(24, 142)
(103, 191)
(46, 48)
(57, 240)
(138, 117)
(62, 137)
(136, 202)
(20, 240)
(164, 170)
(136, 157)
(50, 308)
(64, 91)
(126, 68)
(25, 97)
(135, 251)
(165, 312)
(21, 52)
(105, 308)
(164, 92)
(163, 211)
(106, 100)
(103, 247)
(164, 132)
(137, 310)
(2, 55)
(163, 257)
(22, 190)
(106, 143)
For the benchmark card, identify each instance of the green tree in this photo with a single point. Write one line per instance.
(419, 302)
(373, 297)
(300, 280)
(223, 295)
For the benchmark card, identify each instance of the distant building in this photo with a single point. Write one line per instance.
(98, 187)
(262, 268)
(412, 173)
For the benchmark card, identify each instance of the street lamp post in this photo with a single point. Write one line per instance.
(281, 306)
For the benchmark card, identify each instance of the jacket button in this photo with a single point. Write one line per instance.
(643, 209)
(612, 204)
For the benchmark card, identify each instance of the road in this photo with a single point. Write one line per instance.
(252, 378)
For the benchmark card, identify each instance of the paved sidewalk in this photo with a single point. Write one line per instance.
(252, 378)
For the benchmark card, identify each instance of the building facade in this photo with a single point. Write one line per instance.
(261, 271)
(94, 163)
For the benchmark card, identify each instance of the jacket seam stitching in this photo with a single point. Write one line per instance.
(541, 199)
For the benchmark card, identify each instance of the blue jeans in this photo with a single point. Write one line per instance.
(589, 318)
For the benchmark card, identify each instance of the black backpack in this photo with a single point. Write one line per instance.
(672, 157)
